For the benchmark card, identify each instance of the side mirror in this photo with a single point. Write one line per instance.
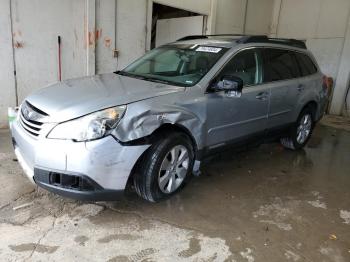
(229, 83)
(232, 85)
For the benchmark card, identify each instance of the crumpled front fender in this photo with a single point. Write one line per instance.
(143, 118)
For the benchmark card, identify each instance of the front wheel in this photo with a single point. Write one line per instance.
(300, 132)
(165, 167)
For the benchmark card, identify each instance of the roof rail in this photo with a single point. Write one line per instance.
(192, 37)
(244, 39)
(265, 39)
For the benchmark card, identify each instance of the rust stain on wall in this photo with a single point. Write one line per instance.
(94, 36)
(18, 44)
(98, 34)
(91, 38)
(107, 41)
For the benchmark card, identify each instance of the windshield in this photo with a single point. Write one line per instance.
(182, 65)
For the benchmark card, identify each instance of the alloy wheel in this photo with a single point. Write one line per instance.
(173, 169)
(304, 128)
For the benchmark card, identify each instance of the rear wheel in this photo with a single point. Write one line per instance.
(165, 167)
(301, 131)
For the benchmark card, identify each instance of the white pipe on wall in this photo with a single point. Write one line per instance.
(90, 31)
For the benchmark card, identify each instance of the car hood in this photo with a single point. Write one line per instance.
(77, 97)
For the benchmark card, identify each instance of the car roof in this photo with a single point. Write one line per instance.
(218, 42)
(229, 41)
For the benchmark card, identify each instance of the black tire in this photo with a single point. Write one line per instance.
(291, 141)
(149, 167)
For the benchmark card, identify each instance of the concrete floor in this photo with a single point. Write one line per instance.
(265, 204)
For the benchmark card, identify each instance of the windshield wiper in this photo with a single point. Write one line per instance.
(157, 80)
(123, 73)
(149, 78)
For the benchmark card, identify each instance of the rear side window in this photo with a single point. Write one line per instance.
(307, 67)
(279, 65)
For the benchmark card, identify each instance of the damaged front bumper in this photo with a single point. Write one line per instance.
(96, 170)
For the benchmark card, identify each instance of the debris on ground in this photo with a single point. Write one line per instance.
(332, 237)
(22, 206)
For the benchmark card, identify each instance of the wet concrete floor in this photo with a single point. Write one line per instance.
(264, 204)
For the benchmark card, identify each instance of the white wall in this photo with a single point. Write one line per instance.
(131, 30)
(323, 24)
(243, 16)
(37, 58)
(343, 80)
(130, 33)
(258, 18)
(36, 35)
(105, 36)
(230, 16)
(7, 84)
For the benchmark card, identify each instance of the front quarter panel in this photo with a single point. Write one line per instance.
(186, 109)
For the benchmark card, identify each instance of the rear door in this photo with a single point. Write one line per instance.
(281, 73)
(234, 119)
(310, 80)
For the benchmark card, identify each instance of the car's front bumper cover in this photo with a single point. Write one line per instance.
(76, 186)
(105, 161)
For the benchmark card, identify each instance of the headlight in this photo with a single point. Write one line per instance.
(89, 127)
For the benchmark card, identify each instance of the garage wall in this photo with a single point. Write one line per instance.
(7, 83)
(36, 42)
(230, 16)
(243, 16)
(258, 18)
(129, 37)
(105, 35)
(323, 25)
(88, 32)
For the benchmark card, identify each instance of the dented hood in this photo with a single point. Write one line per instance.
(77, 97)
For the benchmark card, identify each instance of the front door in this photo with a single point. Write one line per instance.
(233, 118)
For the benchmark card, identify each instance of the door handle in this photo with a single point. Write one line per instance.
(301, 87)
(262, 96)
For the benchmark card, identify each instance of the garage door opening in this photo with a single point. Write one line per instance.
(170, 24)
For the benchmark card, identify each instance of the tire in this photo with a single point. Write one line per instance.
(157, 176)
(301, 132)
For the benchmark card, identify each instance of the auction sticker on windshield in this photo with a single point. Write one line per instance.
(208, 49)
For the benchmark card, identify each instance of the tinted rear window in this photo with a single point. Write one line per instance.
(307, 67)
(279, 65)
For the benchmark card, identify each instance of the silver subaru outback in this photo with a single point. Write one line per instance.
(151, 124)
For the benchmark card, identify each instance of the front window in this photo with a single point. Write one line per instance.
(182, 65)
(246, 66)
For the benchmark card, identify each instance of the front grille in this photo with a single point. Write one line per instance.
(30, 117)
